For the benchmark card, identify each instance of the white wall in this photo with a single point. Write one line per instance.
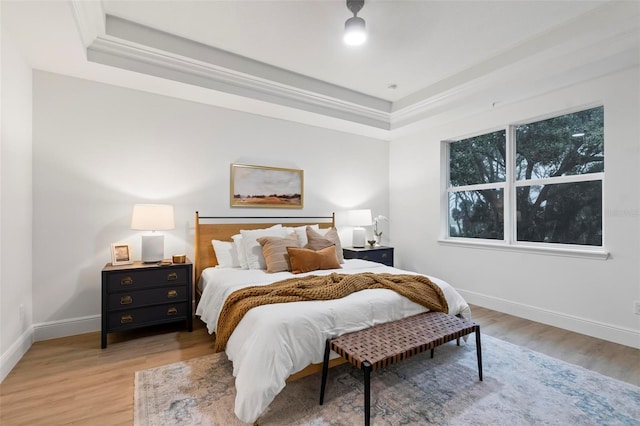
(589, 296)
(99, 149)
(15, 206)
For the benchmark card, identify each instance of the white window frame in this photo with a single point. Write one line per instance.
(509, 187)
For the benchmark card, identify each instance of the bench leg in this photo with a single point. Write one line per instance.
(367, 392)
(479, 351)
(325, 368)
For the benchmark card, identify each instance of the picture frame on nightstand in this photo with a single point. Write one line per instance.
(121, 254)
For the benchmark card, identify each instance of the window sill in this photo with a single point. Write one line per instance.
(589, 253)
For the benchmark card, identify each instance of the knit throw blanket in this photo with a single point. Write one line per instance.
(417, 288)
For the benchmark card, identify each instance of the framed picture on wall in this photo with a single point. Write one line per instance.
(121, 254)
(267, 187)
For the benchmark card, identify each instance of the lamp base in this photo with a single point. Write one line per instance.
(152, 248)
(358, 237)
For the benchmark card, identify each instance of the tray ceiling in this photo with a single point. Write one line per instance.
(286, 58)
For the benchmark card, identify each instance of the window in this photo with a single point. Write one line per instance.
(538, 182)
(477, 176)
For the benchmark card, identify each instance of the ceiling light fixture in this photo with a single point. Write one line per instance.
(354, 28)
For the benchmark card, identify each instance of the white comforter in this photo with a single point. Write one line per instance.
(274, 341)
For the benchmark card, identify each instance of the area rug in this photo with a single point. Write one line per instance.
(520, 387)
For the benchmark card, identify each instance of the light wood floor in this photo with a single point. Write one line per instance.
(72, 381)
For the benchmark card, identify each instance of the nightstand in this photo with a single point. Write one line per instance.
(380, 254)
(143, 294)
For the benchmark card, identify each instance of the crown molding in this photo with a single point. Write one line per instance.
(142, 49)
(603, 40)
(538, 72)
(89, 17)
(137, 58)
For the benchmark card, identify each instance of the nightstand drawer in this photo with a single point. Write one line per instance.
(380, 254)
(154, 296)
(146, 316)
(133, 280)
(377, 256)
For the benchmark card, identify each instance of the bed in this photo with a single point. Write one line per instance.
(276, 343)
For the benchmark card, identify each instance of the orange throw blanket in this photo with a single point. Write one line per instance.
(417, 288)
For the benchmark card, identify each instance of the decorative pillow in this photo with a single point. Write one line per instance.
(274, 250)
(318, 241)
(306, 260)
(239, 246)
(252, 248)
(226, 254)
(301, 232)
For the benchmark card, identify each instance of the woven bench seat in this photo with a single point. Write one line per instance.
(385, 344)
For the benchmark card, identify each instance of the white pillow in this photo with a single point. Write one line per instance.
(226, 254)
(239, 247)
(301, 233)
(321, 231)
(253, 249)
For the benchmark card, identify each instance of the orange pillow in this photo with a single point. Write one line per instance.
(306, 260)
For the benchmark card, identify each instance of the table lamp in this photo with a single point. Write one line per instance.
(358, 219)
(152, 217)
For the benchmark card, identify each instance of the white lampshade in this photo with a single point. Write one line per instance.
(358, 219)
(152, 217)
(361, 217)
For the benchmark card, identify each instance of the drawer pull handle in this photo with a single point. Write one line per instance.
(384, 255)
(172, 276)
(171, 294)
(172, 311)
(126, 300)
(126, 281)
(125, 319)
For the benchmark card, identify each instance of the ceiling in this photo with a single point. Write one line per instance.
(286, 59)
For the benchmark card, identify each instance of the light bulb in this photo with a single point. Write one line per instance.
(354, 31)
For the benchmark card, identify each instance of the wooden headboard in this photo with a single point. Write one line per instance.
(222, 228)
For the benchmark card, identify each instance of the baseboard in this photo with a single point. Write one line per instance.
(67, 327)
(16, 351)
(600, 330)
(45, 331)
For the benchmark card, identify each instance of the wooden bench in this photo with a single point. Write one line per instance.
(385, 344)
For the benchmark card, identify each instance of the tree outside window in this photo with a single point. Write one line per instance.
(551, 190)
(477, 171)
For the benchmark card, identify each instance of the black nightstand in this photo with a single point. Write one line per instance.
(380, 254)
(142, 294)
